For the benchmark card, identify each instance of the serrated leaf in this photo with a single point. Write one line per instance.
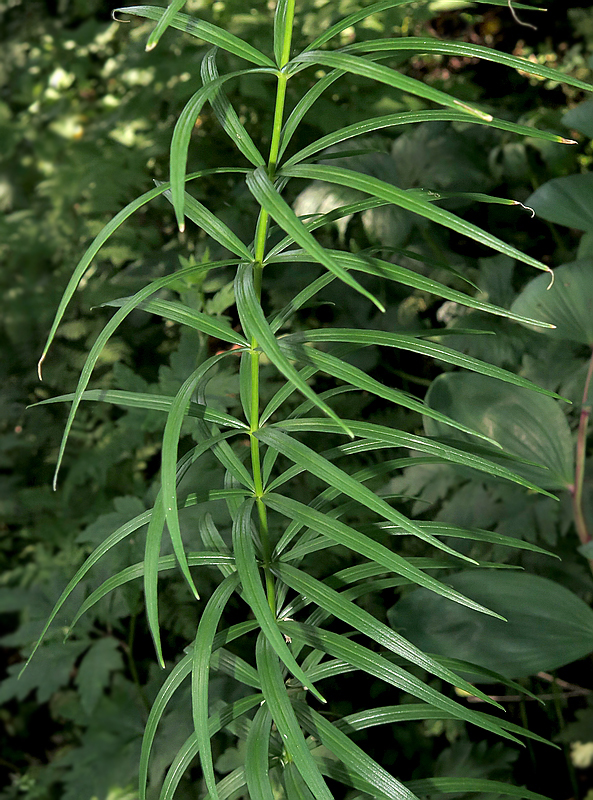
(100, 660)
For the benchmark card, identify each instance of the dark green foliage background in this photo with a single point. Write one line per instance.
(86, 118)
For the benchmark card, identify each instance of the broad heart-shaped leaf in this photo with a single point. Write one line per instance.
(547, 626)
(568, 304)
(525, 424)
(580, 118)
(565, 200)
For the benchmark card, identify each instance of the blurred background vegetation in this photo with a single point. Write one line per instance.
(85, 122)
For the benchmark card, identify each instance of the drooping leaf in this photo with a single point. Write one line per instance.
(524, 423)
(547, 625)
(568, 303)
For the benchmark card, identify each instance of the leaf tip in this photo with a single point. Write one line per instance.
(549, 286)
(150, 46)
(562, 140)
(182, 227)
(40, 367)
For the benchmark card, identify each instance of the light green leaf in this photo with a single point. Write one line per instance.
(277, 699)
(409, 201)
(525, 424)
(265, 193)
(163, 23)
(198, 320)
(226, 114)
(349, 537)
(255, 325)
(358, 65)
(567, 303)
(350, 754)
(201, 652)
(420, 46)
(203, 30)
(548, 626)
(155, 402)
(407, 118)
(257, 755)
(247, 567)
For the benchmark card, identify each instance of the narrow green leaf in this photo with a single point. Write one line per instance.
(190, 317)
(255, 325)
(257, 756)
(353, 19)
(203, 30)
(265, 193)
(363, 622)
(278, 701)
(163, 23)
(201, 652)
(226, 114)
(294, 786)
(137, 571)
(235, 667)
(229, 787)
(431, 786)
(380, 667)
(283, 15)
(189, 750)
(407, 118)
(359, 379)
(420, 46)
(413, 344)
(180, 143)
(350, 754)
(366, 68)
(334, 476)
(401, 439)
(410, 202)
(247, 567)
(349, 537)
(106, 334)
(407, 277)
(154, 402)
(100, 240)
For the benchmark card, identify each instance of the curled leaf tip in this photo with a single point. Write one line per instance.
(40, 367)
(549, 286)
(150, 46)
(527, 208)
(115, 19)
(568, 141)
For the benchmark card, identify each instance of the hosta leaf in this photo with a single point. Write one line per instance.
(566, 201)
(410, 201)
(198, 320)
(407, 118)
(548, 626)
(525, 424)
(226, 114)
(580, 118)
(420, 46)
(203, 30)
(278, 701)
(367, 68)
(248, 570)
(351, 754)
(568, 304)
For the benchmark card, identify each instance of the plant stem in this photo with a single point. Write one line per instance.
(579, 473)
(260, 245)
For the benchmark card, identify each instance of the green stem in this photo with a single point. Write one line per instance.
(260, 246)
